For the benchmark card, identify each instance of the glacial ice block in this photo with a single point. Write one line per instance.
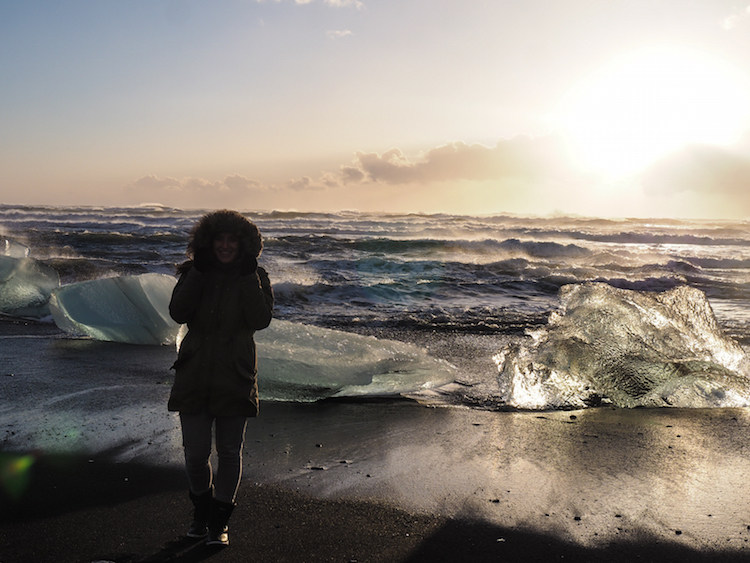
(307, 363)
(25, 286)
(627, 347)
(129, 309)
(13, 248)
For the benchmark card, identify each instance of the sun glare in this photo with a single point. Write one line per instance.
(649, 103)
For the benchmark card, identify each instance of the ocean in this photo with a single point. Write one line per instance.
(478, 292)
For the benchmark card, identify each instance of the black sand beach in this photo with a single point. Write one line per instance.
(375, 481)
(677, 497)
(86, 510)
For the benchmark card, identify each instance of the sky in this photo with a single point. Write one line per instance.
(616, 108)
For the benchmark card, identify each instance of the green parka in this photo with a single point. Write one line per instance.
(216, 367)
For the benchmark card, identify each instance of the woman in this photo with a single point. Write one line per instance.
(224, 297)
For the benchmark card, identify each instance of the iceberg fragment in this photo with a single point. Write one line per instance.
(306, 363)
(629, 347)
(25, 286)
(129, 309)
(13, 248)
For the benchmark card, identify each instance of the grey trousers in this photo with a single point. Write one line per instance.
(196, 439)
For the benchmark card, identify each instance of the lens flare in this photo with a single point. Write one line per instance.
(15, 473)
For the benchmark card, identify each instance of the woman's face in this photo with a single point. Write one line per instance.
(226, 248)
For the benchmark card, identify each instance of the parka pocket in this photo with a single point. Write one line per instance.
(188, 349)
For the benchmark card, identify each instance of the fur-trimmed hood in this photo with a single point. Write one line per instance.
(225, 221)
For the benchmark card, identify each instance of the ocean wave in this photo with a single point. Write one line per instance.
(409, 267)
(641, 238)
(317, 244)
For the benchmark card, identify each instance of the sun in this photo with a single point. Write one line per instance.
(651, 102)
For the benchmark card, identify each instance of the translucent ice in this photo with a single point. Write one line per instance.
(25, 286)
(628, 347)
(306, 363)
(129, 309)
(10, 247)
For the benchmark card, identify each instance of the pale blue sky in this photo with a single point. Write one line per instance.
(396, 105)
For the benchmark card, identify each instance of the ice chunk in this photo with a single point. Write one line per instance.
(25, 286)
(304, 363)
(129, 309)
(631, 348)
(13, 248)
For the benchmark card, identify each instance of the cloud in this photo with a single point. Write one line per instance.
(345, 3)
(333, 34)
(234, 183)
(735, 20)
(522, 156)
(304, 184)
(237, 182)
(351, 175)
(279, 1)
(202, 185)
(152, 182)
(702, 169)
(335, 3)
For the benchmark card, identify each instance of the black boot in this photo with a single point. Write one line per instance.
(202, 503)
(218, 531)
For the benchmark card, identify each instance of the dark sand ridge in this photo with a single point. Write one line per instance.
(376, 481)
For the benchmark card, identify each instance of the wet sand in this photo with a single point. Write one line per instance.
(371, 481)
(401, 482)
(86, 511)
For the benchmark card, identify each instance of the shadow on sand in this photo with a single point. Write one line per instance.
(68, 508)
(480, 542)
